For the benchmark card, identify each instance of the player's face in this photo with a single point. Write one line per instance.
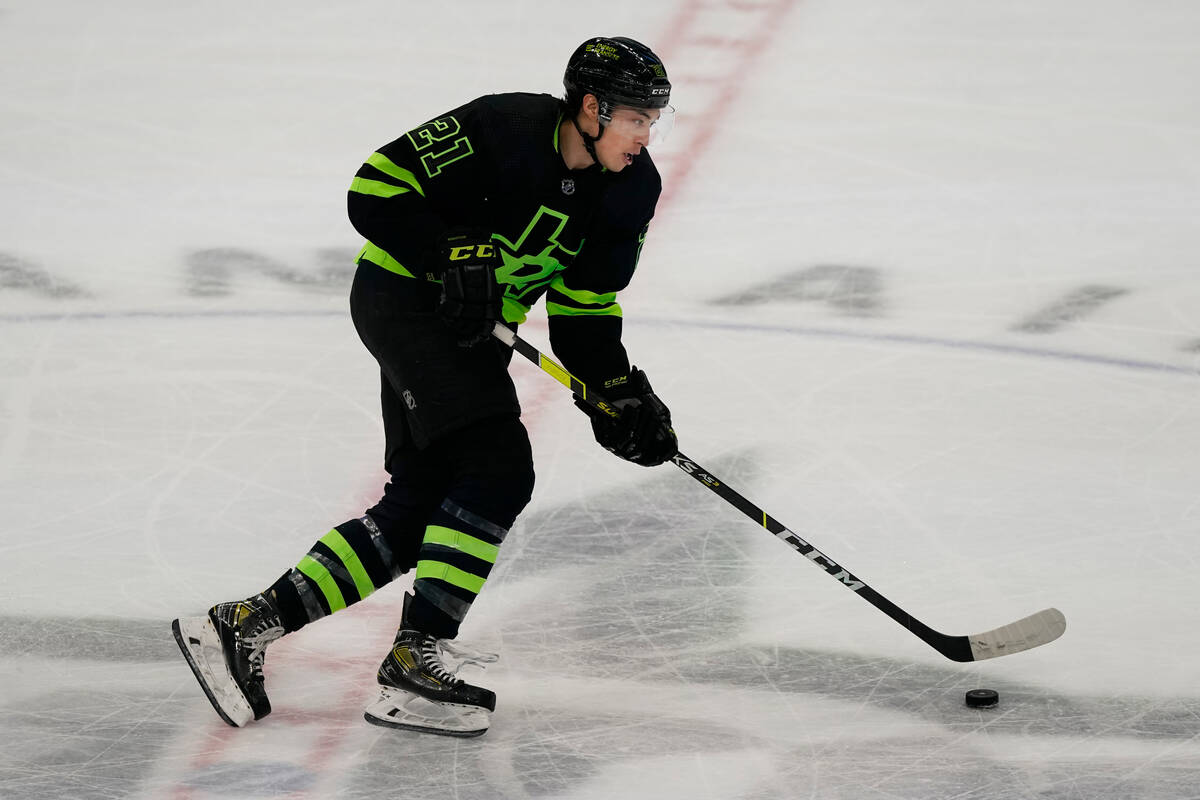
(629, 131)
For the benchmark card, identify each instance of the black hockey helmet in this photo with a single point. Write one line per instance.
(618, 71)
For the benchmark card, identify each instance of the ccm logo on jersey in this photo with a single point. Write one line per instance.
(463, 252)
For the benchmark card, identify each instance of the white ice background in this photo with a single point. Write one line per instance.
(923, 285)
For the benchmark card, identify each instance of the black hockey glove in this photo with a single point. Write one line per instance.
(470, 304)
(642, 434)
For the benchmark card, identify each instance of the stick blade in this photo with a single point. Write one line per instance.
(1025, 634)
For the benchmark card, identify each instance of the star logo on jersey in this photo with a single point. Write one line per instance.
(568, 186)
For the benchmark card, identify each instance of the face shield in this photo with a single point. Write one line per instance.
(647, 126)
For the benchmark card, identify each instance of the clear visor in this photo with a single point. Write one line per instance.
(647, 126)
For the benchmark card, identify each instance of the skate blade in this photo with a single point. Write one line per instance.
(198, 640)
(397, 708)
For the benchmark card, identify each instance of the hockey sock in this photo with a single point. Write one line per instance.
(343, 567)
(456, 557)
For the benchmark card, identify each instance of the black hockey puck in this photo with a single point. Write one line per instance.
(982, 698)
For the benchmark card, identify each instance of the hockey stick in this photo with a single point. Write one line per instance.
(1033, 631)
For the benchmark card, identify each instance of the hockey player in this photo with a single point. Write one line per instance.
(469, 219)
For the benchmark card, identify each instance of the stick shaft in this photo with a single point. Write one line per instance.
(1032, 631)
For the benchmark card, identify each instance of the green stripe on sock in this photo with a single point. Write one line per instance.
(451, 575)
(463, 542)
(324, 581)
(338, 544)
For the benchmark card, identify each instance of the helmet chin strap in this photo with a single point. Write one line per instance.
(589, 141)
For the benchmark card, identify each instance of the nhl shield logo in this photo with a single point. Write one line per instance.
(568, 186)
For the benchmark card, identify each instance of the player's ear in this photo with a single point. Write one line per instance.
(591, 107)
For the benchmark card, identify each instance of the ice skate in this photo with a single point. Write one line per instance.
(226, 650)
(420, 691)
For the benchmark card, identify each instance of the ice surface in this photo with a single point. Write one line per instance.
(922, 286)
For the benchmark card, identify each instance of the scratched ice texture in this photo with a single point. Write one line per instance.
(922, 285)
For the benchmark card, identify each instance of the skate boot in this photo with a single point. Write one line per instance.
(419, 689)
(226, 650)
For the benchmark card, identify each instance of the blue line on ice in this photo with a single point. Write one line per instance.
(788, 330)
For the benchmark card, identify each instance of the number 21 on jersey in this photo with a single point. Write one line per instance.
(439, 144)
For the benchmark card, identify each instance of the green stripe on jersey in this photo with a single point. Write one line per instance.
(582, 296)
(559, 310)
(514, 310)
(377, 255)
(385, 165)
(377, 188)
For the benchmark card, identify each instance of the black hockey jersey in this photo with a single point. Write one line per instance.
(495, 164)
